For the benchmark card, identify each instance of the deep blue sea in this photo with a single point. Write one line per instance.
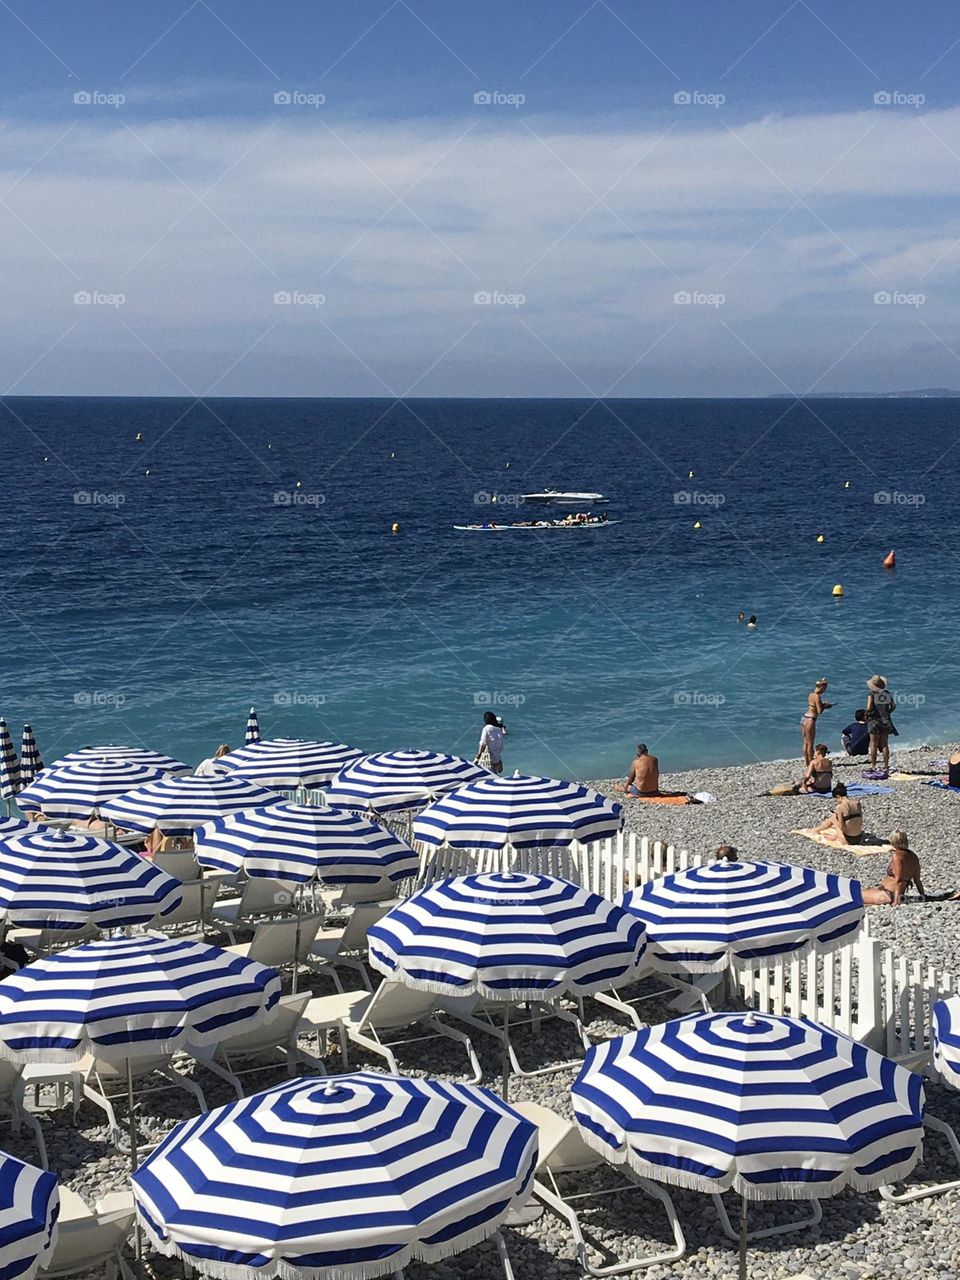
(153, 591)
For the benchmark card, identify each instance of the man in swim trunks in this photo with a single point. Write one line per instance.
(643, 778)
(846, 819)
(903, 871)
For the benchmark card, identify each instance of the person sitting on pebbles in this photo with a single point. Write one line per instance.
(902, 873)
(818, 778)
(846, 820)
(643, 776)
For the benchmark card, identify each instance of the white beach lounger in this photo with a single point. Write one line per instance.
(362, 1017)
(486, 1016)
(921, 1061)
(106, 1082)
(12, 1092)
(347, 946)
(179, 863)
(274, 941)
(275, 1038)
(92, 1239)
(187, 914)
(563, 1151)
(260, 897)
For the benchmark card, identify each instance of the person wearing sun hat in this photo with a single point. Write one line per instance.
(880, 709)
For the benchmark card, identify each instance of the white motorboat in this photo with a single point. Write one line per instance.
(563, 498)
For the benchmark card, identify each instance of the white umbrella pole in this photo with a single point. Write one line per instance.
(505, 1088)
(203, 924)
(134, 1154)
(296, 944)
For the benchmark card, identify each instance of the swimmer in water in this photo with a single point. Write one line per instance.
(752, 622)
(741, 616)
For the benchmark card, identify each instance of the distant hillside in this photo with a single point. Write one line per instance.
(925, 393)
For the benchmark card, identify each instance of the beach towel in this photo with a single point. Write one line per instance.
(669, 797)
(876, 774)
(870, 846)
(868, 789)
(905, 777)
(935, 782)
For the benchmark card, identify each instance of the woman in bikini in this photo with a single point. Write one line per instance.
(819, 775)
(846, 819)
(903, 871)
(808, 721)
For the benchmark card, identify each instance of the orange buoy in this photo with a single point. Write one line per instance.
(890, 561)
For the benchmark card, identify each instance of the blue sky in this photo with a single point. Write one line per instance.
(307, 199)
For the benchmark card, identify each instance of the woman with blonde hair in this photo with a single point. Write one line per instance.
(208, 768)
(808, 721)
(903, 871)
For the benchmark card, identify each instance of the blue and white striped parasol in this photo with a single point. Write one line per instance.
(346, 1178)
(252, 732)
(289, 763)
(300, 843)
(178, 805)
(946, 1040)
(130, 997)
(523, 812)
(132, 755)
(30, 761)
(773, 1107)
(76, 790)
(744, 913)
(395, 780)
(508, 937)
(29, 1207)
(53, 879)
(9, 764)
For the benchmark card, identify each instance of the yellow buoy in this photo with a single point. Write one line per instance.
(820, 537)
(697, 525)
(838, 589)
(395, 528)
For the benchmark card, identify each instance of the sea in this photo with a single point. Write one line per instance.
(170, 563)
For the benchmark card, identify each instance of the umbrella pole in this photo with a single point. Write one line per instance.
(743, 1239)
(505, 1089)
(296, 944)
(134, 1160)
(203, 926)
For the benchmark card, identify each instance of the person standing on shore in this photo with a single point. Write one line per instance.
(490, 751)
(808, 721)
(880, 709)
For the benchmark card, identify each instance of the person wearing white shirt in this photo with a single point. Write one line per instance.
(490, 750)
(209, 768)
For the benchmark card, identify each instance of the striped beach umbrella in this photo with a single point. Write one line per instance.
(52, 879)
(252, 732)
(178, 805)
(29, 1207)
(130, 997)
(131, 755)
(9, 765)
(30, 761)
(523, 812)
(76, 790)
(744, 914)
(289, 763)
(346, 1178)
(946, 1040)
(394, 780)
(299, 843)
(774, 1108)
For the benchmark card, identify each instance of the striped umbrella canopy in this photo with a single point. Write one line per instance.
(252, 732)
(524, 812)
(302, 842)
(773, 1107)
(178, 805)
(52, 879)
(132, 755)
(30, 761)
(946, 1040)
(9, 765)
(345, 1178)
(288, 763)
(122, 998)
(75, 790)
(395, 780)
(744, 913)
(29, 1206)
(508, 937)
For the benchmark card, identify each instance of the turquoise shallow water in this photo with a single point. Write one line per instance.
(156, 608)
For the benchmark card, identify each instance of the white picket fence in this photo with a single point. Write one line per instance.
(864, 989)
